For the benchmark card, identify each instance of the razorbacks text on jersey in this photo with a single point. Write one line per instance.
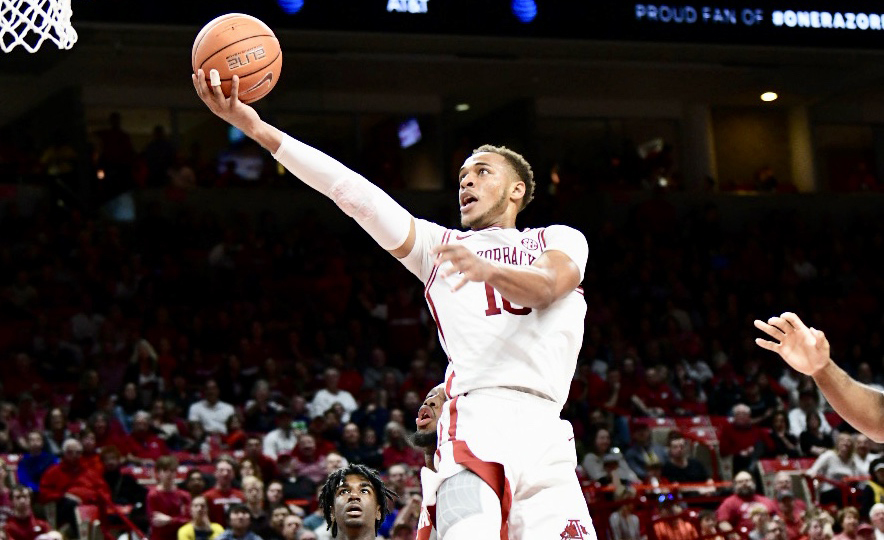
(491, 342)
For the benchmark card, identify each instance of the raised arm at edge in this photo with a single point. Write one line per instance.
(861, 406)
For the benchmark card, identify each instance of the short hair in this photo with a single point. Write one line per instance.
(167, 463)
(238, 508)
(519, 164)
(70, 444)
(141, 415)
(846, 511)
(111, 450)
(335, 479)
(877, 507)
(252, 480)
(674, 436)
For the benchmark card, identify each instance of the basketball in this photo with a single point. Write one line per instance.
(238, 44)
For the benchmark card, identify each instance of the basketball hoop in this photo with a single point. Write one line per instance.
(31, 22)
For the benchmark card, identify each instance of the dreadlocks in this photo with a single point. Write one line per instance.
(335, 479)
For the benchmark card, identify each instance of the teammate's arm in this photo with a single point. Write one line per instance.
(552, 276)
(807, 350)
(390, 225)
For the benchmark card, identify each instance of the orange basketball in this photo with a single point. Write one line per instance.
(237, 44)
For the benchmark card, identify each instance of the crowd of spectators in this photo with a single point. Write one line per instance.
(260, 352)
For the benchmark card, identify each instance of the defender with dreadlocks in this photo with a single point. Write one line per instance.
(354, 502)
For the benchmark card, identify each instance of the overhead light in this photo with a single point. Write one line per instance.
(769, 96)
(462, 107)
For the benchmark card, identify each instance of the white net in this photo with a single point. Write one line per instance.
(31, 22)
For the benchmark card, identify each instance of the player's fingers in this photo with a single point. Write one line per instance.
(779, 325)
(234, 89)
(793, 320)
(199, 82)
(463, 282)
(782, 325)
(768, 329)
(765, 344)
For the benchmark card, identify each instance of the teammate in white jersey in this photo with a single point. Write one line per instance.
(510, 316)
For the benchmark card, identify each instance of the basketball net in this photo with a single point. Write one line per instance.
(31, 22)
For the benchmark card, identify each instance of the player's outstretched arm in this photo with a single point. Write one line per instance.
(390, 225)
(807, 350)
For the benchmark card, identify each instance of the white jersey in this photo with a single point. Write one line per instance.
(491, 342)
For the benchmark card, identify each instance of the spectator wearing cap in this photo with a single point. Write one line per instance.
(734, 511)
(281, 440)
(793, 519)
(783, 482)
(643, 451)
(873, 493)
(808, 404)
(848, 519)
(876, 516)
(835, 464)
(865, 532)
(601, 464)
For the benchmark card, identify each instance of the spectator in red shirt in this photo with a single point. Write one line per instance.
(69, 484)
(743, 440)
(146, 446)
(309, 462)
(398, 449)
(168, 507)
(223, 495)
(254, 451)
(655, 398)
(22, 525)
(735, 511)
(793, 519)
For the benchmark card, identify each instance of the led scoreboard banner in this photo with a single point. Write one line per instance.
(829, 23)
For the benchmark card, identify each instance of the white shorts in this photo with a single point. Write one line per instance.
(518, 445)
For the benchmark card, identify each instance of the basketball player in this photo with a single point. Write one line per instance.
(807, 350)
(354, 503)
(510, 317)
(426, 438)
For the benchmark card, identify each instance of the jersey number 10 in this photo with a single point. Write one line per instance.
(494, 308)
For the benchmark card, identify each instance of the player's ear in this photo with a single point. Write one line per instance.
(517, 190)
(377, 513)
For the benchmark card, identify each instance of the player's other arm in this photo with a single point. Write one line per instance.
(552, 276)
(390, 225)
(807, 350)
(557, 272)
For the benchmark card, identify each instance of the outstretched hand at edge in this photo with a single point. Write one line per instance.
(805, 349)
(231, 109)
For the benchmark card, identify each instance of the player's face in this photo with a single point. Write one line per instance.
(428, 414)
(356, 503)
(485, 188)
